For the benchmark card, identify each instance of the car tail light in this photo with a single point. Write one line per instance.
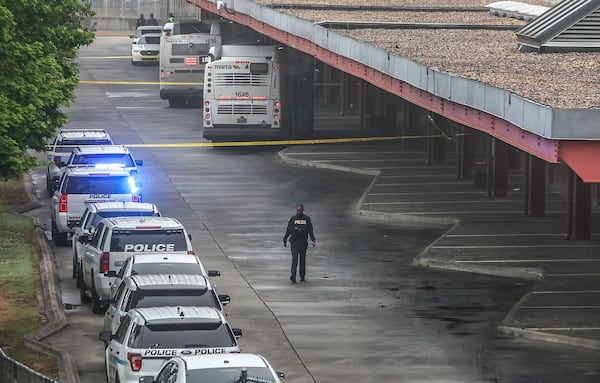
(104, 262)
(56, 160)
(62, 206)
(207, 103)
(191, 253)
(278, 104)
(135, 361)
(276, 117)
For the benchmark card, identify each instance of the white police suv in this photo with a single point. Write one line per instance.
(229, 368)
(81, 187)
(149, 336)
(167, 263)
(63, 144)
(114, 240)
(158, 290)
(95, 212)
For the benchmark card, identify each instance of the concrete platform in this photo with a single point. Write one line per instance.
(485, 235)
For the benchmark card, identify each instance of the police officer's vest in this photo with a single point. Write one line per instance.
(300, 227)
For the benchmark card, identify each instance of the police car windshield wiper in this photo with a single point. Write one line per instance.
(194, 345)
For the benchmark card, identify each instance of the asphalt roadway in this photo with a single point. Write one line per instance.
(364, 315)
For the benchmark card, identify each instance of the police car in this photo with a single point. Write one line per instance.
(230, 368)
(96, 212)
(148, 336)
(158, 290)
(81, 187)
(146, 49)
(116, 156)
(114, 240)
(168, 263)
(63, 144)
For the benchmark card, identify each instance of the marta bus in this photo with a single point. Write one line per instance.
(185, 47)
(242, 93)
(258, 92)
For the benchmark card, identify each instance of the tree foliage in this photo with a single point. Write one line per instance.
(39, 40)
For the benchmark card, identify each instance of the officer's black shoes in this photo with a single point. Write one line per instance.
(293, 279)
(302, 279)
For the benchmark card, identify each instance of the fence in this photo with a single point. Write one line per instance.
(12, 371)
(133, 8)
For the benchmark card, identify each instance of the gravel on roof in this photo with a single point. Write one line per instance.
(405, 17)
(563, 80)
(407, 3)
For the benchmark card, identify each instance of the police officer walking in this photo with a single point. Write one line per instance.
(299, 228)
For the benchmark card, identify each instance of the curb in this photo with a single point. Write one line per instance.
(548, 337)
(508, 272)
(309, 164)
(50, 292)
(33, 201)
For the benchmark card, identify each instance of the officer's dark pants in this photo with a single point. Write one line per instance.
(299, 251)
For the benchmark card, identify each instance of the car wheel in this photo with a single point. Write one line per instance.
(74, 273)
(60, 239)
(83, 297)
(97, 307)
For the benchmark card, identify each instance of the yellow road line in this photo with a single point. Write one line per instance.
(117, 57)
(109, 82)
(279, 142)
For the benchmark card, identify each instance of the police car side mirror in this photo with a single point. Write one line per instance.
(57, 184)
(106, 336)
(280, 375)
(213, 273)
(224, 299)
(139, 162)
(237, 332)
(190, 237)
(110, 274)
(62, 164)
(83, 239)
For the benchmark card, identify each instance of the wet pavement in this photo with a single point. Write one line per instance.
(487, 235)
(364, 315)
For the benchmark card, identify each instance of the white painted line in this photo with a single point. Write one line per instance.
(503, 235)
(424, 184)
(561, 246)
(559, 307)
(455, 213)
(366, 160)
(329, 153)
(136, 107)
(442, 202)
(563, 328)
(489, 261)
(567, 292)
(431, 193)
(420, 176)
(574, 275)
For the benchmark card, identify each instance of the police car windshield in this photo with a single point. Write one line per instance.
(184, 335)
(230, 375)
(117, 159)
(67, 146)
(144, 241)
(166, 268)
(149, 40)
(124, 213)
(172, 297)
(99, 185)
